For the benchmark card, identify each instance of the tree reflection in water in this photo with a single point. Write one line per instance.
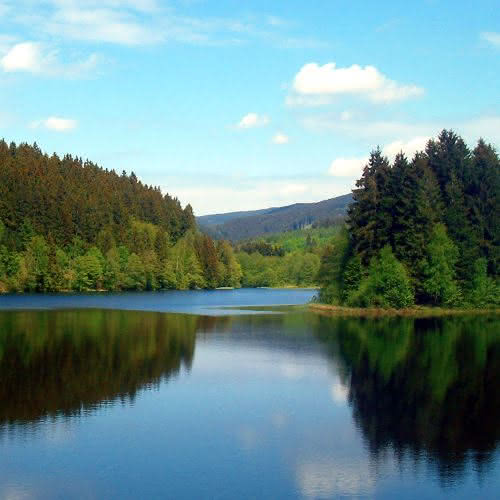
(423, 389)
(62, 363)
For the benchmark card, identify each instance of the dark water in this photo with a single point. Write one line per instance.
(101, 403)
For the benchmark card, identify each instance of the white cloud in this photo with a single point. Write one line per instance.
(347, 167)
(280, 138)
(491, 37)
(353, 167)
(329, 80)
(56, 123)
(387, 131)
(26, 56)
(37, 58)
(143, 22)
(98, 23)
(409, 148)
(252, 120)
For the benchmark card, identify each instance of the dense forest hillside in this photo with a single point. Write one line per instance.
(68, 224)
(425, 230)
(285, 259)
(68, 197)
(237, 226)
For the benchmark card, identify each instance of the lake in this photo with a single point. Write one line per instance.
(208, 395)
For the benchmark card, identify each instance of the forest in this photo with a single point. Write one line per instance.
(70, 225)
(289, 259)
(424, 231)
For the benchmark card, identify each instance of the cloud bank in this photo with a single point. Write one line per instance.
(329, 80)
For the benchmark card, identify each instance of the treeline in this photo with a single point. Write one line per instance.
(68, 197)
(425, 231)
(286, 259)
(292, 269)
(68, 224)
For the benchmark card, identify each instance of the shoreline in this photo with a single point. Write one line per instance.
(412, 312)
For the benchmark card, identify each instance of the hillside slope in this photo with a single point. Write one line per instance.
(236, 226)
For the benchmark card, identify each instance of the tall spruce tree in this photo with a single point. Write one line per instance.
(451, 161)
(483, 199)
(370, 214)
(424, 212)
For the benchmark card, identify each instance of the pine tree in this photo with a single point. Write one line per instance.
(370, 214)
(460, 228)
(483, 199)
(418, 210)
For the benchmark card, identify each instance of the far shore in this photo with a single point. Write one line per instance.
(412, 312)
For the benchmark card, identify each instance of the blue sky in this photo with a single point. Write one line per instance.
(234, 105)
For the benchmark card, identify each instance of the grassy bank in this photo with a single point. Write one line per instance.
(414, 312)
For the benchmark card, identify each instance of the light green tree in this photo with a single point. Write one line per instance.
(438, 269)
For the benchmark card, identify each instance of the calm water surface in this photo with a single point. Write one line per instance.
(104, 403)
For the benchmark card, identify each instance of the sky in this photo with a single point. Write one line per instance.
(240, 105)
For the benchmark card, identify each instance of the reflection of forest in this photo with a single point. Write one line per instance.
(422, 386)
(62, 362)
(56, 363)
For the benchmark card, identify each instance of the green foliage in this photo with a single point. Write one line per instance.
(135, 278)
(370, 215)
(70, 225)
(89, 270)
(484, 291)
(294, 269)
(352, 276)
(309, 240)
(37, 264)
(440, 215)
(331, 272)
(67, 197)
(230, 272)
(438, 283)
(386, 285)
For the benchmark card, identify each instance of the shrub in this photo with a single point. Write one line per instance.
(387, 284)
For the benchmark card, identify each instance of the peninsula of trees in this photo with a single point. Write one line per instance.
(421, 231)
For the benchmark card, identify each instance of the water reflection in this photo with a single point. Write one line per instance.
(138, 403)
(422, 389)
(61, 364)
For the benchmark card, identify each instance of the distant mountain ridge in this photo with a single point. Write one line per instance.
(241, 225)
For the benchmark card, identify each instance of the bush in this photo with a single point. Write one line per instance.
(484, 291)
(438, 270)
(387, 284)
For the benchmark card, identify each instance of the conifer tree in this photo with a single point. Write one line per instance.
(483, 199)
(369, 216)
